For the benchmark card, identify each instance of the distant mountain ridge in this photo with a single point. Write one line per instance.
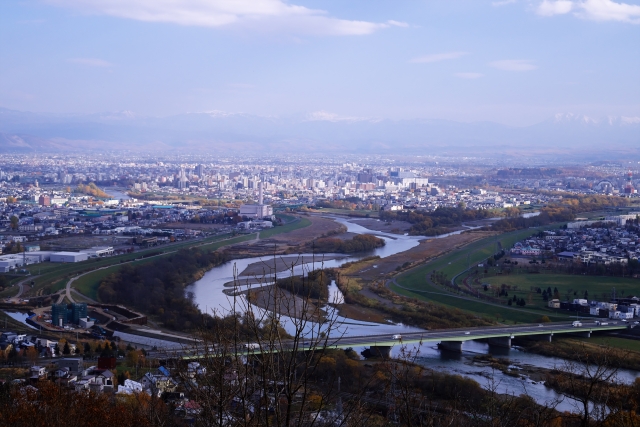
(563, 134)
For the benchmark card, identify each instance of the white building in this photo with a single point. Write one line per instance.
(98, 251)
(69, 257)
(256, 211)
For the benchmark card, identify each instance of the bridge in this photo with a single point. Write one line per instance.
(448, 339)
(499, 336)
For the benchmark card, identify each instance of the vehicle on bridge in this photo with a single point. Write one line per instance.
(576, 324)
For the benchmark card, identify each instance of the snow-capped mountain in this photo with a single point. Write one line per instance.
(321, 131)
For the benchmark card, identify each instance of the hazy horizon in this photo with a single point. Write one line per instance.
(513, 62)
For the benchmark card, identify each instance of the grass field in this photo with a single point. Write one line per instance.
(456, 262)
(569, 286)
(301, 223)
(490, 311)
(89, 283)
(621, 343)
(362, 213)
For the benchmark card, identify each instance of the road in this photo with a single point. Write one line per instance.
(445, 335)
(67, 293)
(21, 289)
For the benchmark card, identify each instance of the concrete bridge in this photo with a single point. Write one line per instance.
(448, 339)
(499, 336)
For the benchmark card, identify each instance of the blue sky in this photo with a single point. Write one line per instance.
(514, 61)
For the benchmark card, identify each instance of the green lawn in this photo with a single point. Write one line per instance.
(456, 262)
(491, 312)
(597, 286)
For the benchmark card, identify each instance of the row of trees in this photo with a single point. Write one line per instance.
(359, 243)
(157, 287)
(437, 222)
(91, 189)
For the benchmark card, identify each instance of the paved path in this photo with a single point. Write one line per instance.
(21, 289)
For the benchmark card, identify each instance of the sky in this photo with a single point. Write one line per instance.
(515, 62)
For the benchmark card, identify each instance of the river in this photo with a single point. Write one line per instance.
(117, 193)
(208, 294)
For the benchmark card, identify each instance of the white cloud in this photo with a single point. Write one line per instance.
(437, 57)
(597, 10)
(269, 15)
(502, 3)
(469, 75)
(608, 10)
(554, 7)
(91, 62)
(514, 65)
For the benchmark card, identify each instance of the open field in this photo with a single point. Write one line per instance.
(414, 282)
(457, 261)
(305, 229)
(355, 213)
(426, 250)
(396, 227)
(291, 226)
(476, 307)
(89, 283)
(569, 286)
(621, 343)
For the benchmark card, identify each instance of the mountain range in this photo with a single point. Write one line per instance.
(216, 131)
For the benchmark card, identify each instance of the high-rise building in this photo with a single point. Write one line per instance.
(182, 179)
(200, 170)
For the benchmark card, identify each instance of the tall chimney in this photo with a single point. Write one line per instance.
(260, 199)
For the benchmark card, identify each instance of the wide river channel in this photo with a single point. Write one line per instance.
(209, 294)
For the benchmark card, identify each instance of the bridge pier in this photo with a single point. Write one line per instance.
(581, 334)
(455, 346)
(539, 337)
(504, 342)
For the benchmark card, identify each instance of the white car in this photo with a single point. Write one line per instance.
(467, 333)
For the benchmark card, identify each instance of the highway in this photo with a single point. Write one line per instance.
(445, 335)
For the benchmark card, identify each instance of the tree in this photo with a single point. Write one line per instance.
(259, 372)
(589, 379)
(87, 349)
(66, 349)
(14, 222)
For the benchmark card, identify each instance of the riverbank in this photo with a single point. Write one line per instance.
(279, 263)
